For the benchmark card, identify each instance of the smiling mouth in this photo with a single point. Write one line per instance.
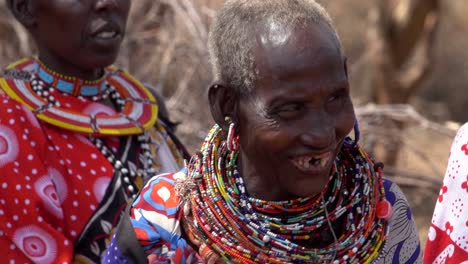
(105, 30)
(107, 35)
(313, 163)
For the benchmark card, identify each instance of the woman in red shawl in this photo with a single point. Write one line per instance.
(78, 137)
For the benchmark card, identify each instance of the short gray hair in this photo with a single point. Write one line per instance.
(232, 38)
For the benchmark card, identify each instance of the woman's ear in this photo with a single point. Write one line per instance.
(23, 11)
(223, 103)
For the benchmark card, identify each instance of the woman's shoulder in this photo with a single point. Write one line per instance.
(160, 194)
(392, 190)
(403, 237)
(460, 143)
(396, 197)
(16, 120)
(164, 181)
(7, 101)
(464, 128)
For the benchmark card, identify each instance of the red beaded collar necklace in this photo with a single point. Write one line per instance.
(137, 106)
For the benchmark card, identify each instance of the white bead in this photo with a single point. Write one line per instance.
(187, 209)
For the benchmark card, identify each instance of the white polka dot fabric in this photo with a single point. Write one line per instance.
(51, 181)
(448, 235)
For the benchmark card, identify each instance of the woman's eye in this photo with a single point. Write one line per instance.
(333, 99)
(288, 110)
(336, 97)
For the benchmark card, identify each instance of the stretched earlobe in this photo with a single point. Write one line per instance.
(232, 139)
(22, 10)
(222, 104)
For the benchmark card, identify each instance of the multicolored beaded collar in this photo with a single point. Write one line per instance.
(68, 84)
(241, 229)
(41, 90)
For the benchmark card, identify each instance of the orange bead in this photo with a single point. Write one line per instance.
(384, 210)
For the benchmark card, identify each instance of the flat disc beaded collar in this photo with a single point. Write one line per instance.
(38, 88)
(241, 229)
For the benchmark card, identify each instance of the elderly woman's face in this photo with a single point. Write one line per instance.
(84, 33)
(295, 121)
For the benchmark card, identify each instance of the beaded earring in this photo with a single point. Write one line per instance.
(357, 133)
(350, 142)
(232, 139)
(384, 209)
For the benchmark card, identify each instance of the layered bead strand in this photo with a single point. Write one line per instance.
(39, 87)
(130, 175)
(242, 229)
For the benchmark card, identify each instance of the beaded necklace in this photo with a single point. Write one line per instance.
(35, 86)
(241, 229)
(31, 81)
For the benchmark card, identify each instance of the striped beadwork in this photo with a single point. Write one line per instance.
(242, 229)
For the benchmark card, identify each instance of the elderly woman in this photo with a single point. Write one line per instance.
(277, 180)
(77, 138)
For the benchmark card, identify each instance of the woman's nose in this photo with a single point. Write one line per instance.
(318, 133)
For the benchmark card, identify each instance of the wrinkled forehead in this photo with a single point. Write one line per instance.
(284, 48)
(271, 33)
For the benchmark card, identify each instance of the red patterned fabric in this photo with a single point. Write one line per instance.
(51, 182)
(156, 218)
(448, 235)
(60, 197)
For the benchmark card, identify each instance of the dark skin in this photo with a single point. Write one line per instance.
(75, 37)
(293, 124)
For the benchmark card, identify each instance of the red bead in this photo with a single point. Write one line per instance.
(384, 210)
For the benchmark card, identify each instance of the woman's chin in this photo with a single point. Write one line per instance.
(308, 187)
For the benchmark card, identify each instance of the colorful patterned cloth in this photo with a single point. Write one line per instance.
(156, 214)
(448, 235)
(53, 181)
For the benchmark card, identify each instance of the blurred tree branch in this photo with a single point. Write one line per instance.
(404, 37)
(402, 42)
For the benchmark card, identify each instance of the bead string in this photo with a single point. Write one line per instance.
(138, 107)
(45, 91)
(68, 78)
(242, 229)
(130, 175)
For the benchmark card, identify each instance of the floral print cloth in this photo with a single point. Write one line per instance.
(448, 234)
(51, 182)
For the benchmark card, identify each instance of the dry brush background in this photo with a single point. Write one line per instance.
(411, 53)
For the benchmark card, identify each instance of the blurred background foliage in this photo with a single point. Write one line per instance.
(408, 71)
